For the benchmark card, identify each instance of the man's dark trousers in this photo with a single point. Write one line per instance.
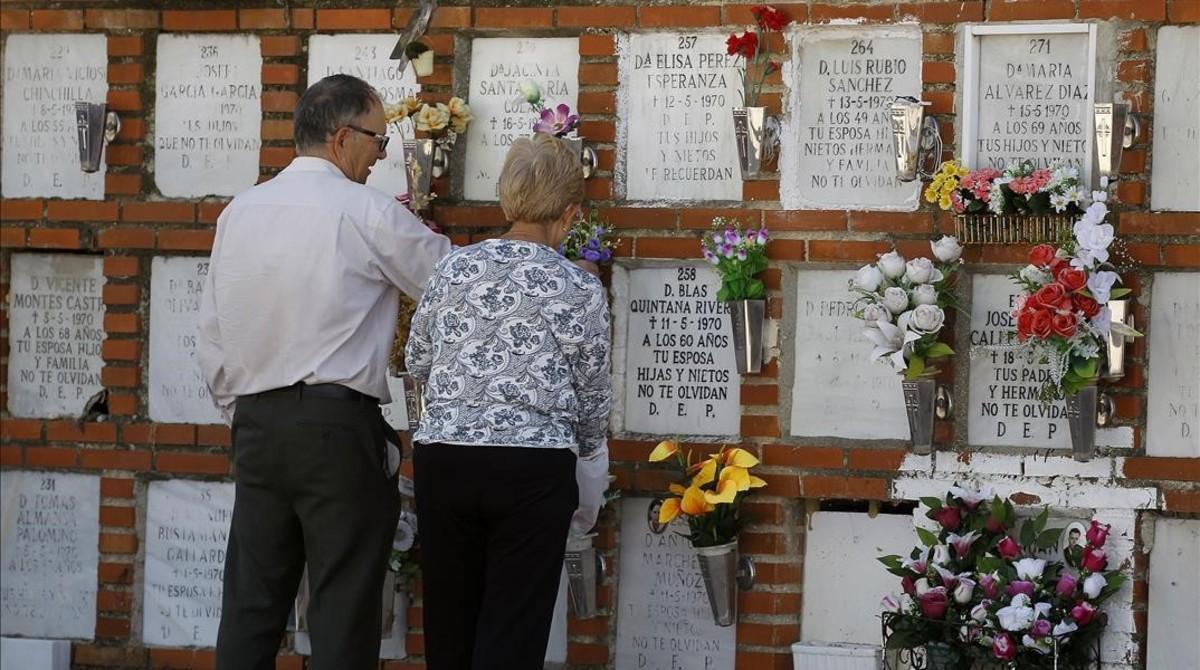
(312, 487)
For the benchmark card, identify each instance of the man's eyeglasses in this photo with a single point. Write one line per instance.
(382, 139)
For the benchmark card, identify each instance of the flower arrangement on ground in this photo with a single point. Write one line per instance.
(903, 306)
(558, 121)
(1061, 317)
(709, 493)
(986, 595)
(753, 54)
(590, 239)
(1019, 189)
(739, 256)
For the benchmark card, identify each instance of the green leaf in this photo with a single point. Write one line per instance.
(916, 365)
(891, 560)
(1028, 534)
(756, 290)
(1085, 368)
(998, 508)
(1049, 538)
(939, 350)
(932, 503)
(1115, 293)
(1039, 523)
(927, 538)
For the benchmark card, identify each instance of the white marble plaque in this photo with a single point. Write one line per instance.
(187, 531)
(1173, 421)
(676, 92)
(29, 654)
(1174, 602)
(208, 114)
(498, 66)
(49, 553)
(366, 57)
(837, 144)
(839, 544)
(556, 648)
(837, 390)
(1002, 402)
(177, 392)
(1028, 93)
(44, 76)
(1175, 173)
(664, 620)
(56, 326)
(680, 369)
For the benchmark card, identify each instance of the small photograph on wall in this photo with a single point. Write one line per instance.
(1074, 535)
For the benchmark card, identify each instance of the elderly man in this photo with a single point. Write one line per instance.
(296, 323)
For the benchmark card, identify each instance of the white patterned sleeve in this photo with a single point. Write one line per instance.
(590, 368)
(418, 351)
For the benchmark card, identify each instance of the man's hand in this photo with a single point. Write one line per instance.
(588, 267)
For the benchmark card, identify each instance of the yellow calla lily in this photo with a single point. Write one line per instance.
(669, 510)
(756, 483)
(739, 476)
(664, 450)
(740, 458)
(726, 493)
(693, 503)
(677, 489)
(708, 472)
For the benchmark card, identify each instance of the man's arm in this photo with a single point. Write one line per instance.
(405, 249)
(208, 343)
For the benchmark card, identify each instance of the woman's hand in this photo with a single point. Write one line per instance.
(588, 267)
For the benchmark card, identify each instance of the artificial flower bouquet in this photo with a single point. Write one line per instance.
(709, 493)
(590, 239)
(1062, 317)
(751, 52)
(558, 121)
(985, 595)
(1019, 189)
(903, 306)
(443, 122)
(739, 256)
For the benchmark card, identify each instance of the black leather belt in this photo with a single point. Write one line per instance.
(331, 391)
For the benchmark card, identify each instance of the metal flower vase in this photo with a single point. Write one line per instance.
(719, 568)
(756, 134)
(584, 569)
(425, 160)
(746, 317)
(587, 155)
(1121, 310)
(1082, 408)
(924, 399)
(940, 656)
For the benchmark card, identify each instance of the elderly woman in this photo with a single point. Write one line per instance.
(512, 342)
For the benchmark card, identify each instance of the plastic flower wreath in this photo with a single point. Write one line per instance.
(710, 492)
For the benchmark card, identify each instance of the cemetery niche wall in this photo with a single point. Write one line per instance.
(205, 93)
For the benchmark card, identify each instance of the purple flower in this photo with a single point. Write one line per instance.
(762, 235)
(591, 255)
(558, 122)
(732, 236)
(1020, 586)
(1066, 585)
(605, 255)
(727, 250)
(1041, 628)
(711, 257)
(741, 254)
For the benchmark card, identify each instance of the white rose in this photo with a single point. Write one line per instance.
(875, 312)
(1094, 237)
(895, 299)
(941, 554)
(925, 294)
(892, 264)
(1031, 273)
(1030, 569)
(947, 249)
(868, 278)
(927, 319)
(530, 92)
(1017, 616)
(979, 613)
(1094, 584)
(922, 586)
(1100, 284)
(921, 271)
(964, 591)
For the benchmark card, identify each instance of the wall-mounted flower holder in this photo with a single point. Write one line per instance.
(585, 571)
(95, 127)
(426, 160)
(1114, 360)
(587, 155)
(916, 140)
(1086, 410)
(747, 318)
(925, 399)
(1012, 229)
(421, 57)
(724, 572)
(756, 134)
(1115, 130)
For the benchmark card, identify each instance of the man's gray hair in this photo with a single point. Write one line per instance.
(329, 104)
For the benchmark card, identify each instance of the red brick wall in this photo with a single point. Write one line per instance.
(134, 223)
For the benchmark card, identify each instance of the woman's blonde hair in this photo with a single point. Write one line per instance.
(540, 179)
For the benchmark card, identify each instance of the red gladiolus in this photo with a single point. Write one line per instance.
(1094, 560)
(1051, 296)
(1072, 278)
(1041, 255)
(1097, 534)
(770, 18)
(949, 517)
(744, 46)
(1084, 304)
(1083, 613)
(1008, 548)
(1063, 324)
(934, 603)
(1042, 323)
(1003, 647)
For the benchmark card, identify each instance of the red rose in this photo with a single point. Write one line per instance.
(1058, 264)
(1008, 548)
(1094, 560)
(1063, 324)
(1097, 534)
(949, 517)
(1041, 255)
(1085, 304)
(934, 603)
(1051, 296)
(744, 46)
(1072, 278)
(1042, 323)
(770, 18)
(1024, 325)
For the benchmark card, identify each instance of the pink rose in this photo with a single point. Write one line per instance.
(1097, 534)
(908, 586)
(1008, 548)
(949, 517)
(1094, 560)
(1083, 613)
(1019, 586)
(934, 603)
(1040, 628)
(990, 586)
(1003, 647)
(1066, 585)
